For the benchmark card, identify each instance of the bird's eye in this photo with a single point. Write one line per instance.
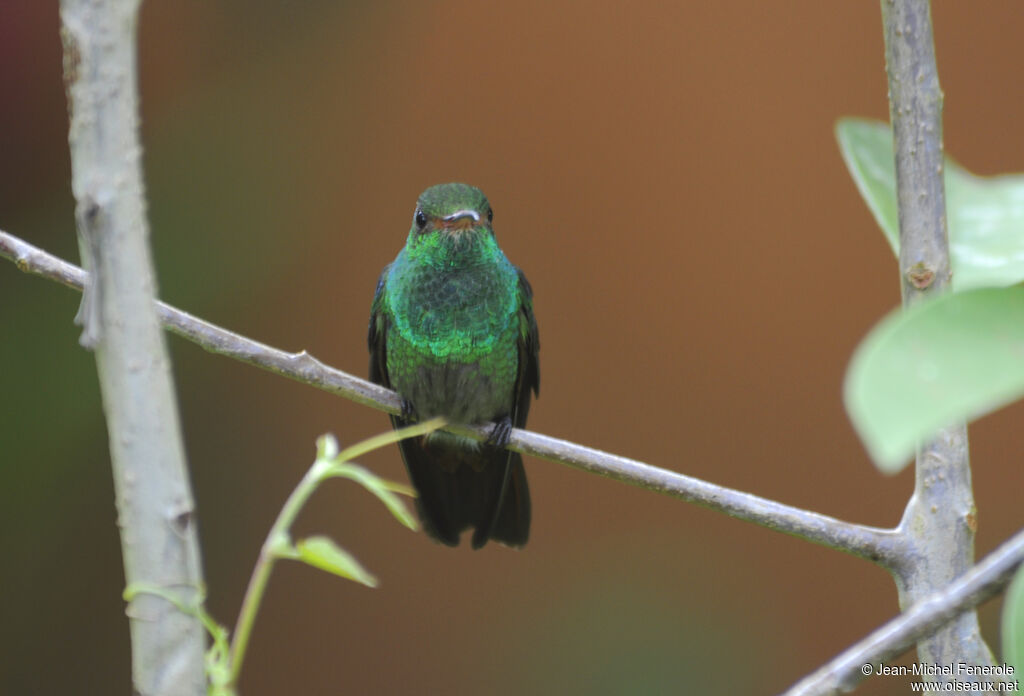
(421, 219)
(490, 215)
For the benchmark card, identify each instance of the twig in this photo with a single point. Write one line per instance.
(894, 638)
(159, 543)
(939, 521)
(881, 546)
(278, 544)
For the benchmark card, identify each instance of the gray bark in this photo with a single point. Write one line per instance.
(154, 501)
(940, 519)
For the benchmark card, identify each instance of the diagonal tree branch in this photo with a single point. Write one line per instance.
(159, 544)
(972, 588)
(882, 546)
(940, 519)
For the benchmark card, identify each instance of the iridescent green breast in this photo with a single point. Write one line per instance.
(452, 343)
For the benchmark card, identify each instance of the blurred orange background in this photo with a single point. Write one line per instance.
(666, 175)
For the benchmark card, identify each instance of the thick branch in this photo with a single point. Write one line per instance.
(154, 502)
(940, 518)
(879, 545)
(980, 583)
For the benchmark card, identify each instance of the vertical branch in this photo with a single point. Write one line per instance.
(154, 500)
(940, 519)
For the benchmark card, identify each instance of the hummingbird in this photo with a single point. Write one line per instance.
(452, 331)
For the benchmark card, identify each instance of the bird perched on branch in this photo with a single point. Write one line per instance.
(452, 331)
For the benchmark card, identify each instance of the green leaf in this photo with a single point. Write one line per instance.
(945, 361)
(866, 147)
(382, 488)
(985, 214)
(1013, 623)
(326, 447)
(320, 552)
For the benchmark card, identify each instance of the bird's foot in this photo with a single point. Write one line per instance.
(500, 434)
(408, 411)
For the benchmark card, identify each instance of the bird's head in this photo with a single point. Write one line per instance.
(456, 216)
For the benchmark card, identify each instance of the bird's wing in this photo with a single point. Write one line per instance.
(376, 338)
(529, 346)
(438, 495)
(511, 523)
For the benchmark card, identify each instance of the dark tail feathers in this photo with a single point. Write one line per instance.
(458, 489)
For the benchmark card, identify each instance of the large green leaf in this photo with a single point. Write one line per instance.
(1013, 623)
(945, 361)
(985, 214)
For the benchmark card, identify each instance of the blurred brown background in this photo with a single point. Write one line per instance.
(666, 175)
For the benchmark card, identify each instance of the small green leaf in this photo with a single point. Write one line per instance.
(945, 361)
(1013, 623)
(320, 552)
(985, 214)
(381, 488)
(326, 447)
(866, 147)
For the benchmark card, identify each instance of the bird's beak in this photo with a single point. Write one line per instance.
(461, 219)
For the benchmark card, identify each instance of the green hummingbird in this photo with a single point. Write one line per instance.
(452, 331)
